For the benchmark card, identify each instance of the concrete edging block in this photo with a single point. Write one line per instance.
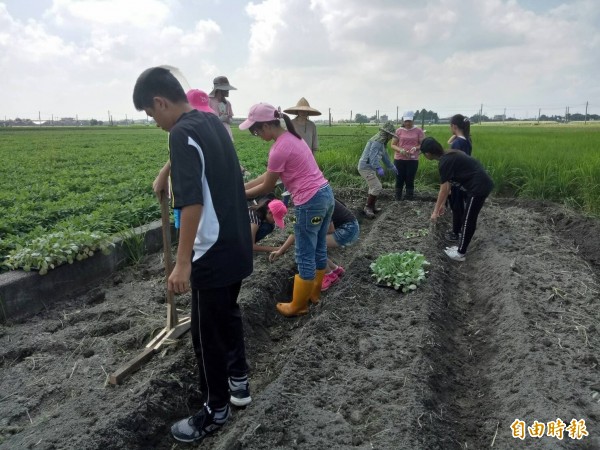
(25, 293)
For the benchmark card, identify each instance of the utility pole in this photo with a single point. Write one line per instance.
(397, 117)
(350, 115)
(480, 113)
(539, 114)
(39, 119)
(504, 116)
(329, 116)
(586, 109)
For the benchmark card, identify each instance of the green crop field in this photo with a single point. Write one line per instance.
(64, 191)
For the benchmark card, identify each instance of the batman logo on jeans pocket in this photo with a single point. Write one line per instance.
(316, 220)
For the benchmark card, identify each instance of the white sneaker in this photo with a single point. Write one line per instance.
(454, 254)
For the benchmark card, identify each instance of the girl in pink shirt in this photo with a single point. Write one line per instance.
(291, 159)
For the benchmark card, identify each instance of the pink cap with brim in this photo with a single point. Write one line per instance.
(199, 100)
(261, 112)
(278, 209)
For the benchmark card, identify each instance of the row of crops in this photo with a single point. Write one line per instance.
(65, 192)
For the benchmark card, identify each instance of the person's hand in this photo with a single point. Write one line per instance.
(380, 171)
(434, 216)
(395, 169)
(160, 184)
(274, 255)
(179, 280)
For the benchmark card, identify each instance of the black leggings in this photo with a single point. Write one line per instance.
(407, 170)
(469, 224)
(457, 205)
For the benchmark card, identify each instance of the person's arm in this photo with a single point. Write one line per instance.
(161, 182)
(179, 280)
(256, 247)
(258, 180)
(267, 185)
(440, 208)
(374, 155)
(396, 146)
(281, 250)
(229, 112)
(386, 160)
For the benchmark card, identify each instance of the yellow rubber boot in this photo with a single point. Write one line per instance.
(315, 295)
(299, 303)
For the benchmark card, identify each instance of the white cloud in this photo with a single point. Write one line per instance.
(137, 13)
(447, 55)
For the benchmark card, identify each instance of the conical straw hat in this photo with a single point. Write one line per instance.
(302, 105)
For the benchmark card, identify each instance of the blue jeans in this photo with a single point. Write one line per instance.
(312, 222)
(347, 233)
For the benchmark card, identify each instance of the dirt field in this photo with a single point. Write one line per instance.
(512, 333)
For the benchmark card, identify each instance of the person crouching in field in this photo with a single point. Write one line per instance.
(344, 230)
(458, 169)
(215, 248)
(369, 165)
(263, 218)
(291, 159)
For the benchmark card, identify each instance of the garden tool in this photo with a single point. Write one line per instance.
(299, 303)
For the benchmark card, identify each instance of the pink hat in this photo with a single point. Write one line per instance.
(199, 100)
(278, 209)
(261, 112)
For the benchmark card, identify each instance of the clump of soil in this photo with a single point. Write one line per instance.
(511, 333)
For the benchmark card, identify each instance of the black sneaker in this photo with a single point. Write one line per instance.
(451, 236)
(198, 426)
(240, 395)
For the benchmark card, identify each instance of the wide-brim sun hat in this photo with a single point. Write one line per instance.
(221, 83)
(389, 128)
(199, 100)
(261, 112)
(302, 105)
(408, 115)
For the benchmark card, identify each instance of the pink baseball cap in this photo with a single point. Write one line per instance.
(278, 209)
(261, 112)
(199, 100)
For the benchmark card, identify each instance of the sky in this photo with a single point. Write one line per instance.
(81, 58)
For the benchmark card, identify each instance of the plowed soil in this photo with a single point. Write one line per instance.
(511, 333)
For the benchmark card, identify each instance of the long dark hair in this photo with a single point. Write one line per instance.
(261, 209)
(463, 124)
(278, 115)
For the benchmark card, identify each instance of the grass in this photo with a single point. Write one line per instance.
(99, 178)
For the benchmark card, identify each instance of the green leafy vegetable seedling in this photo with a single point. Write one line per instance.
(402, 271)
